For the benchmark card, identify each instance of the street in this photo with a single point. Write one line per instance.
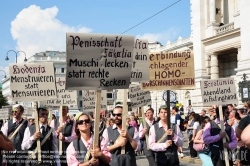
(142, 161)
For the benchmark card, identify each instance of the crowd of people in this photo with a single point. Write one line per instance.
(160, 143)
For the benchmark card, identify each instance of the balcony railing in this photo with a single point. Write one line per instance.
(224, 28)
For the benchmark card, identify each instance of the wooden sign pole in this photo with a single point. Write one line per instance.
(61, 122)
(50, 116)
(124, 114)
(39, 158)
(97, 117)
(224, 139)
(145, 126)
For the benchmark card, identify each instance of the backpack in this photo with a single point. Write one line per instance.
(182, 124)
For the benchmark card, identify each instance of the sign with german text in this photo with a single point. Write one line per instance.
(171, 71)
(65, 97)
(138, 97)
(32, 81)
(89, 99)
(140, 66)
(98, 61)
(219, 92)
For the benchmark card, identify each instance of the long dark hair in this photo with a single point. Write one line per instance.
(77, 131)
(197, 118)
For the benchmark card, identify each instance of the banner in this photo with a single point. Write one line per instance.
(219, 92)
(171, 71)
(32, 81)
(89, 99)
(65, 97)
(98, 61)
(140, 66)
(138, 97)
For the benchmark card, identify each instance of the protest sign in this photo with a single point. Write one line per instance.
(140, 66)
(219, 91)
(32, 81)
(171, 71)
(98, 61)
(89, 100)
(65, 97)
(138, 97)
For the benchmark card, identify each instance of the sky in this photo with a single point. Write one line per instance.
(36, 26)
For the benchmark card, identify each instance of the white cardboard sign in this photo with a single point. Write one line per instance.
(140, 66)
(138, 97)
(219, 91)
(65, 97)
(98, 61)
(89, 99)
(32, 81)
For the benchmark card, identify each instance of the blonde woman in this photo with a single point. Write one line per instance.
(80, 152)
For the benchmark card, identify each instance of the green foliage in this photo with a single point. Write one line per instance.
(3, 101)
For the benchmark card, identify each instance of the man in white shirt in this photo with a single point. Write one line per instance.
(46, 135)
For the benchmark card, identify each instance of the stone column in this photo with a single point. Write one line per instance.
(214, 66)
(208, 58)
(212, 11)
(239, 54)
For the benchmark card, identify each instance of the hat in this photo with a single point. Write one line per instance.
(43, 108)
(163, 106)
(78, 115)
(15, 107)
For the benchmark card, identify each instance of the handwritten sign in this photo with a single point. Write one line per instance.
(138, 97)
(171, 71)
(65, 97)
(32, 81)
(219, 92)
(140, 67)
(98, 61)
(89, 99)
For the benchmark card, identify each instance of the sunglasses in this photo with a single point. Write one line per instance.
(80, 122)
(117, 114)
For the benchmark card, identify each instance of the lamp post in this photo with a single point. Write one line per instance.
(244, 87)
(7, 58)
(4, 73)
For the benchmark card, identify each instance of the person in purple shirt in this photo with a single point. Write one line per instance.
(213, 136)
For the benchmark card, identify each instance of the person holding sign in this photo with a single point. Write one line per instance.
(117, 138)
(65, 133)
(80, 152)
(145, 130)
(164, 140)
(213, 136)
(14, 130)
(48, 140)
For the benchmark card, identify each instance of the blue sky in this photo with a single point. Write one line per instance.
(35, 26)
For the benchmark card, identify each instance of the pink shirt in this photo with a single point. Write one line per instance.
(207, 138)
(133, 123)
(71, 152)
(141, 135)
(178, 139)
(5, 127)
(73, 134)
(28, 141)
(106, 137)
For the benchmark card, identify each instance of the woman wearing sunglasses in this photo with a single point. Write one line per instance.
(80, 152)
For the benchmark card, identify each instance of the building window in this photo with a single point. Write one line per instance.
(109, 95)
(80, 103)
(62, 70)
(80, 93)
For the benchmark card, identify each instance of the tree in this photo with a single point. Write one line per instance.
(3, 101)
